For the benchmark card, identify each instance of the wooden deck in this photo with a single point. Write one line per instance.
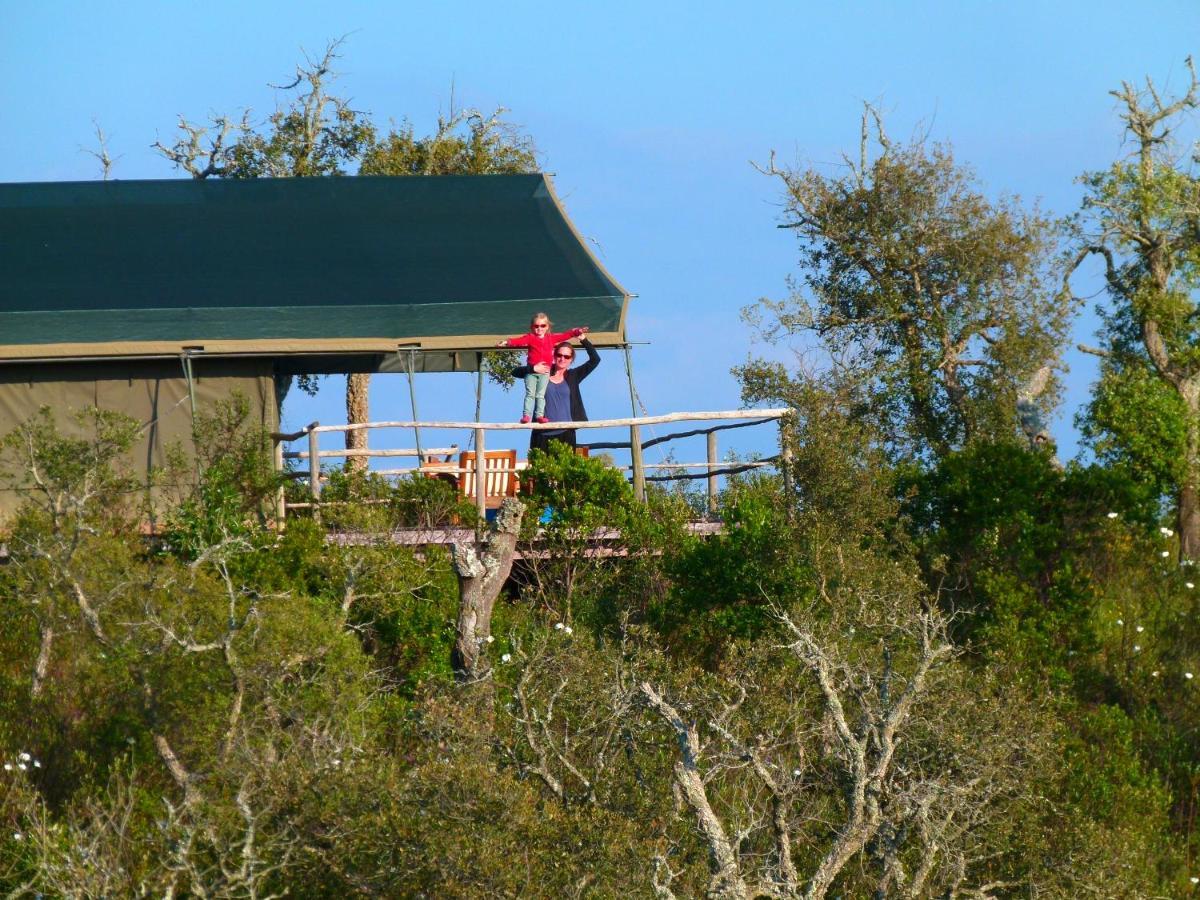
(598, 544)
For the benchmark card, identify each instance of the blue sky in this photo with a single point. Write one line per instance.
(649, 114)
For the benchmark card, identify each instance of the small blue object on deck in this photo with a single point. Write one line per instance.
(547, 516)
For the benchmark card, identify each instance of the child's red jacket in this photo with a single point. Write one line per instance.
(541, 349)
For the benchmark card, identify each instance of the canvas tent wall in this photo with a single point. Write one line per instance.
(110, 284)
(154, 393)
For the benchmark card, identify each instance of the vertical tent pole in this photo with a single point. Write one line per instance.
(479, 388)
(635, 434)
(412, 396)
(186, 359)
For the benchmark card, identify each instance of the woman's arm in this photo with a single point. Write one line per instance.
(593, 360)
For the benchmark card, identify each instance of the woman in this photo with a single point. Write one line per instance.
(563, 400)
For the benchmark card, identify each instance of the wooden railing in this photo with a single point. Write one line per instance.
(711, 469)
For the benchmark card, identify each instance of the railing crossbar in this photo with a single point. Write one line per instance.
(624, 445)
(766, 415)
(346, 454)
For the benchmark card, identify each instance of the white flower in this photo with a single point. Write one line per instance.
(795, 773)
(8, 767)
(1140, 629)
(24, 757)
(1187, 675)
(1154, 674)
(337, 762)
(1165, 553)
(1166, 532)
(22, 766)
(558, 626)
(1112, 515)
(490, 638)
(1137, 648)
(17, 836)
(1194, 880)
(1120, 621)
(36, 764)
(506, 657)
(1188, 585)
(568, 630)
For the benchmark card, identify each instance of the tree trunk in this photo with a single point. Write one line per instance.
(357, 411)
(1188, 505)
(481, 574)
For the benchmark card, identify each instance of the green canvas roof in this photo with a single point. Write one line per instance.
(302, 266)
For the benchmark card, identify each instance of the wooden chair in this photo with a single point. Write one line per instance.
(499, 476)
(440, 467)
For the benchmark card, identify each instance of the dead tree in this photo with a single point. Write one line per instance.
(863, 730)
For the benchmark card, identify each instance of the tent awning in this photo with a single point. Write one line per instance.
(319, 267)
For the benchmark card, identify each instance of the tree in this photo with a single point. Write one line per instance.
(1142, 216)
(319, 134)
(928, 297)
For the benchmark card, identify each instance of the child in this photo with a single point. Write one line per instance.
(541, 351)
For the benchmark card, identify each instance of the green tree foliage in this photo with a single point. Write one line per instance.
(1011, 539)
(929, 299)
(275, 712)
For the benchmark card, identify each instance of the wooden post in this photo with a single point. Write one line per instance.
(635, 435)
(785, 460)
(480, 477)
(712, 479)
(280, 494)
(314, 462)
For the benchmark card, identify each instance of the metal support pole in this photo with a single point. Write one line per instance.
(479, 391)
(186, 359)
(712, 479)
(635, 435)
(412, 396)
(314, 462)
(480, 478)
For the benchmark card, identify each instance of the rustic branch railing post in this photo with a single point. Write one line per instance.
(785, 458)
(712, 478)
(280, 494)
(314, 461)
(635, 434)
(480, 477)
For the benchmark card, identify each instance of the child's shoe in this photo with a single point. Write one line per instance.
(524, 420)
(542, 420)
